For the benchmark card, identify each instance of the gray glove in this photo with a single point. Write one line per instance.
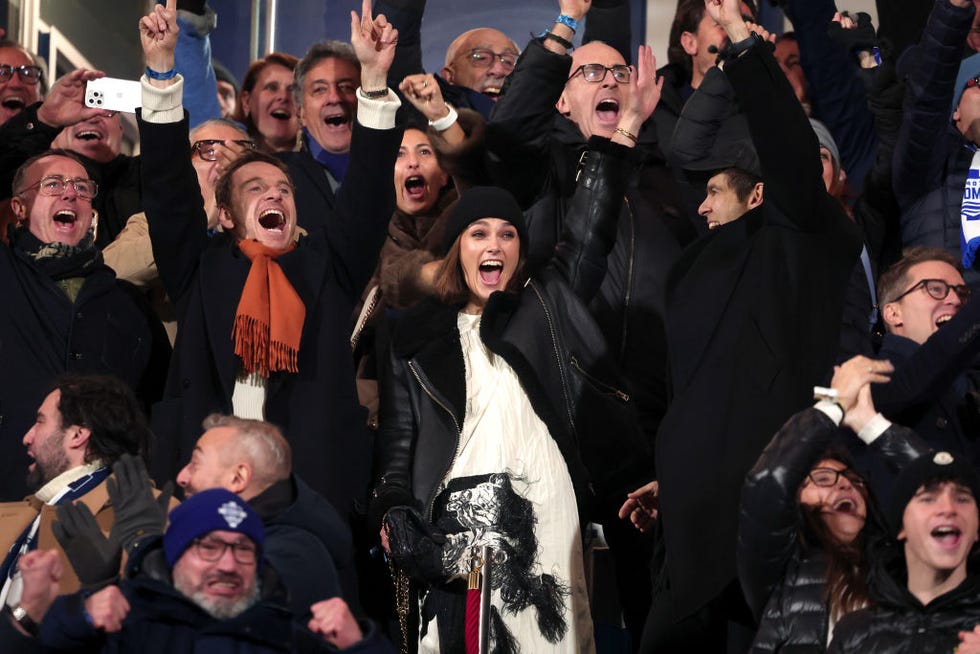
(138, 513)
(94, 557)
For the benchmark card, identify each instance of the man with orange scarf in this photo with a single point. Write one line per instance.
(262, 309)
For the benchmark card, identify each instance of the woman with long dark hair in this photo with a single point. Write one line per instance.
(807, 516)
(502, 419)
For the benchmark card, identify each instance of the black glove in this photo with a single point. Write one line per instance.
(862, 37)
(416, 547)
(138, 513)
(94, 557)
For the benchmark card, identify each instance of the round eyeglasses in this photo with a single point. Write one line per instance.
(938, 289)
(596, 73)
(484, 58)
(29, 74)
(212, 549)
(56, 185)
(207, 149)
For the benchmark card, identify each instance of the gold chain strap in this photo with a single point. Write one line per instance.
(402, 605)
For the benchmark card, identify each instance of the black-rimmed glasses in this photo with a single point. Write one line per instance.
(56, 185)
(212, 549)
(29, 74)
(484, 58)
(596, 73)
(825, 477)
(938, 289)
(207, 148)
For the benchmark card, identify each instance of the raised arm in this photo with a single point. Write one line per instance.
(782, 136)
(196, 21)
(171, 195)
(919, 163)
(406, 17)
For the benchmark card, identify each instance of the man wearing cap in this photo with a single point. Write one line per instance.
(936, 166)
(204, 583)
(923, 593)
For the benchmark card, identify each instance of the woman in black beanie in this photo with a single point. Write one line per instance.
(502, 420)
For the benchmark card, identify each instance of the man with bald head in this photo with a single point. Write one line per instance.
(480, 59)
(63, 309)
(20, 79)
(306, 539)
(554, 104)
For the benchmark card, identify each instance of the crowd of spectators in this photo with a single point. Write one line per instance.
(407, 343)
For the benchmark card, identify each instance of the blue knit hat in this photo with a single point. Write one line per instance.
(969, 68)
(216, 509)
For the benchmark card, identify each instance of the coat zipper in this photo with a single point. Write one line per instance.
(558, 359)
(427, 391)
(629, 282)
(612, 390)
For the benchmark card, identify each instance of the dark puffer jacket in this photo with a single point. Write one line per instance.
(775, 570)
(899, 623)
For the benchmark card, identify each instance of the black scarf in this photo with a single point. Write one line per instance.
(58, 260)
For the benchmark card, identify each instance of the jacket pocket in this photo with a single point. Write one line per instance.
(597, 384)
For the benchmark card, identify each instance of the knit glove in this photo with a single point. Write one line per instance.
(138, 513)
(94, 556)
(862, 37)
(415, 547)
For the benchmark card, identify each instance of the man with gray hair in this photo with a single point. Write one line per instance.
(326, 80)
(306, 539)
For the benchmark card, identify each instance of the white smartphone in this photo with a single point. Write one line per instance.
(113, 94)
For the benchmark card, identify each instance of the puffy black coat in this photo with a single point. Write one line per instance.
(899, 623)
(548, 337)
(776, 571)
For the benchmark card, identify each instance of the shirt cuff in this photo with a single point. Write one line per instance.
(377, 113)
(163, 105)
(874, 428)
(830, 409)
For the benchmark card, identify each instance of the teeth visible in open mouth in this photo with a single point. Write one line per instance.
(940, 532)
(942, 320)
(65, 216)
(272, 219)
(336, 120)
(491, 265)
(281, 114)
(492, 91)
(88, 135)
(607, 105)
(846, 505)
(13, 103)
(414, 182)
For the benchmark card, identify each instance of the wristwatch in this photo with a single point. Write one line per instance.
(20, 616)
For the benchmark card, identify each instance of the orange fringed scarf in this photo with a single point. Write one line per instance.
(269, 319)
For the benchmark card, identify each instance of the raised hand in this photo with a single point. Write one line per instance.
(574, 8)
(40, 573)
(641, 99)
(425, 95)
(65, 104)
(374, 41)
(94, 556)
(107, 609)
(728, 14)
(856, 372)
(137, 512)
(158, 35)
(333, 620)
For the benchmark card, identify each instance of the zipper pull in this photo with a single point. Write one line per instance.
(475, 579)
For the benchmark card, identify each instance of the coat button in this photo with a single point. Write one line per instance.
(79, 316)
(942, 422)
(185, 383)
(77, 356)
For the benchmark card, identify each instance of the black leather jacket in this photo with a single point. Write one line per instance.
(546, 334)
(776, 571)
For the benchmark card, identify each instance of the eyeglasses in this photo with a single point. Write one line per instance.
(825, 477)
(484, 58)
(212, 549)
(596, 73)
(29, 74)
(938, 289)
(56, 185)
(207, 148)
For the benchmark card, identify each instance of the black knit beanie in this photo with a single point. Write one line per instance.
(483, 202)
(930, 467)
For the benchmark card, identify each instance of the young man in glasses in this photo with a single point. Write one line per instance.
(932, 338)
(204, 580)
